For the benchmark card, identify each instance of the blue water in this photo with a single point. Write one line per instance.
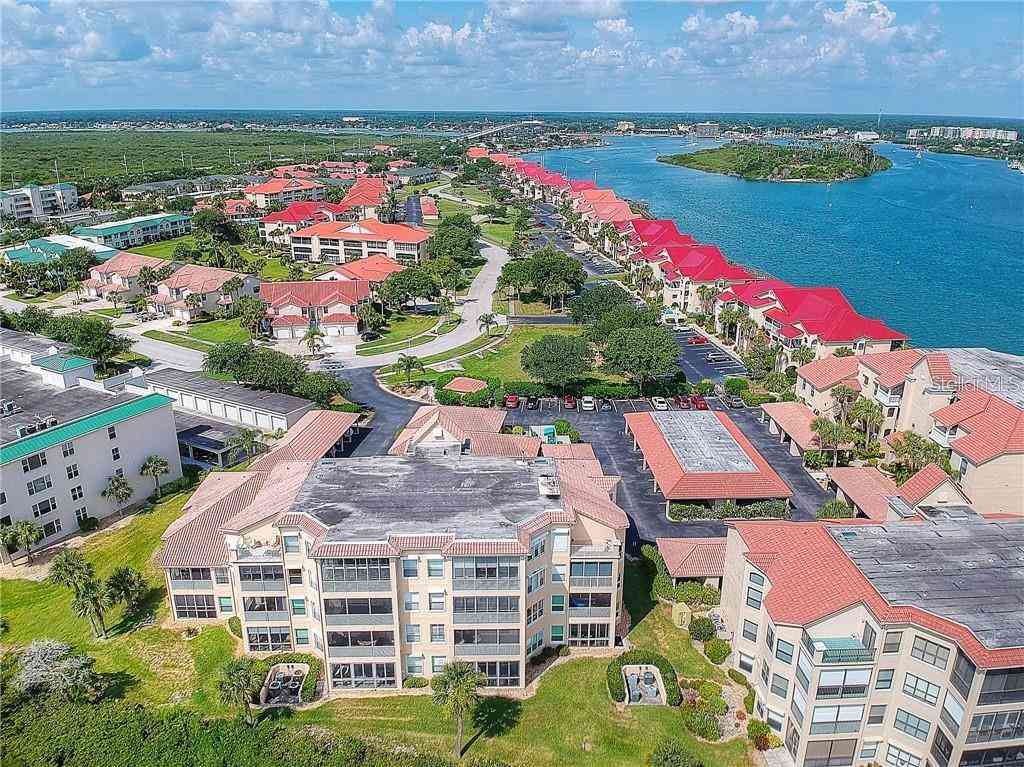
(934, 246)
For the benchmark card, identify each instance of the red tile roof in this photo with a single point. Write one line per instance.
(289, 321)
(278, 185)
(305, 211)
(199, 279)
(128, 264)
(366, 229)
(373, 268)
(457, 420)
(866, 487)
(892, 368)
(993, 426)
(693, 557)
(476, 152)
(829, 371)
(924, 482)
(581, 497)
(309, 439)
(277, 494)
(465, 385)
(677, 484)
(315, 293)
(339, 318)
(570, 450)
(305, 522)
(795, 419)
(503, 445)
(579, 185)
(703, 264)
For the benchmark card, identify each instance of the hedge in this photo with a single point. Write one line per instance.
(672, 754)
(412, 682)
(610, 390)
(679, 512)
(494, 392)
(753, 399)
(701, 628)
(736, 385)
(717, 650)
(835, 510)
(690, 593)
(528, 389)
(235, 626)
(316, 671)
(637, 657)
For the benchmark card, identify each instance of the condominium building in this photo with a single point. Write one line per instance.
(120, 275)
(894, 644)
(38, 202)
(336, 242)
(208, 283)
(45, 249)
(331, 305)
(65, 434)
(281, 191)
(389, 567)
(139, 230)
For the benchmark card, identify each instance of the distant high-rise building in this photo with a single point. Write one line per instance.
(707, 130)
(37, 202)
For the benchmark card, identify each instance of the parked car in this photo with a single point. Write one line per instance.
(717, 357)
(682, 401)
(370, 335)
(733, 400)
(532, 403)
(569, 402)
(659, 403)
(512, 401)
(698, 339)
(698, 402)
(588, 403)
(605, 406)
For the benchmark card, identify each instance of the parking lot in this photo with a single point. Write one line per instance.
(693, 358)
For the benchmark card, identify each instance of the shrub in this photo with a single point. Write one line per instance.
(348, 407)
(701, 628)
(816, 459)
(610, 390)
(718, 705)
(637, 656)
(748, 702)
(759, 510)
(705, 387)
(702, 721)
(235, 626)
(736, 386)
(737, 676)
(527, 389)
(717, 650)
(88, 524)
(547, 653)
(835, 510)
(690, 593)
(708, 689)
(753, 399)
(756, 727)
(672, 754)
(413, 682)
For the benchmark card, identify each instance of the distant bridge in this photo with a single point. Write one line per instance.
(498, 129)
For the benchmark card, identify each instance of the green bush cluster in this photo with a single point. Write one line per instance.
(610, 390)
(679, 512)
(564, 428)
(414, 682)
(717, 650)
(835, 510)
(309, 684)
(528, 389)
(748, 701)
(673, 754)
(638, 656)
(702, 720)
(88, 524)
(494, 392)
(761, 735)
(736, 386)
(737, 676)
(235, 626)
(548, 653)
(701, 628)
(690, 593)
(753, 399)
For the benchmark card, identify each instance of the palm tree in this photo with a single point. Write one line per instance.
(238, 683)
(155, 466)
(830, 436)
(445, 306)
(747, 328)
(127, 586)
(247, 441)
(22, 535)
(843, 397)
(803, 354)
(486, 322)
(455, 690)
(118, 492)
(70, 569)
(91, 602)
(232, 286)
(409, 365)
(314, 340)
(707, 294)
(75, 286)
(194, 302)
(868, 414)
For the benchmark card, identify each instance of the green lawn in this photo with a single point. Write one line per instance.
(164, 248)
(400, 328)
(113, 313)
(148, 664)
(180, 339)
(408, 191)
(219, 331)
(474, 193)
(42, 298)
(498, 231)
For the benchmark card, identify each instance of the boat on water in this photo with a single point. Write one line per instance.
(1016, 165)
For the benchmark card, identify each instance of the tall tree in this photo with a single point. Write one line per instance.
(641, 354)
(126, 586)
(314, 340)
(118, 491)
(239, 681)
(830, 436)
(409, 365)
(21, 535)
(155, 466)
(245, 441)
(456, 692)
(558, 360)
(487, 321)
(843, 398)
(69, 568)
(91, 602)
(868, 414)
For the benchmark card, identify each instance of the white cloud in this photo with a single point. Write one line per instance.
(871, 20)
(733, 26)
(617, 26)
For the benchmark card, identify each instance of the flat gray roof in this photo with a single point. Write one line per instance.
(996, 372)
(967, 570)
(198, 383)
(701, 443)
(38, 400)
(367, 499)
(29, 342)
(202, 431)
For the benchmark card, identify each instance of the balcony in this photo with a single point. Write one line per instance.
(590, 612)
(885, 398)
(832, 651)
(367, 619)
(595, 551)
(837, 692)
(591, 582)
(940, 436)
(477, 618)
(187, 585)
(489, 650)
(348, 586)
(266, 616)
(273, 587)
(486, 584)
(258, 554)
(364, 651)
(834, 728)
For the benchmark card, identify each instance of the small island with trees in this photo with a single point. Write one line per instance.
(771, 162)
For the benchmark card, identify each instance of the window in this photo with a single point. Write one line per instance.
(558, 603)
(843, 683)
(884, 679)
(892, 642)
(44, 507)
(414, 664)
(358, 606)
(534, 612)
(804, 671)
(535, 642)
(535, 581)
(72, 470)
(33, 462)
(757, 579)
(412, 632)
(437, 663)
(486, 636)
(941, 748)
(77, 493)
(558, 573)
(746, 663)
(190, 574)
(999, 687)
(876, 714)
(922, 689)
(194, 606)
(39, 484)
(499, 673)
(798, 705)
(111, 432)
(754, 597)
(118, 472)
(485, 605)
(357, 569)
(298, 607)
(115, 454)
(588, 634)
(774, 720)
(780, 686)
(263, 604)
(1000, 725)
(294, 576)
(435, 568)
(537, 546)
(291, 544)
(436, 601)
(557, 634)
(269, 639)
(764, 671)
(412, 601)
(301, 636)
(272, 574)
(410, 567)
(560, 541)
(591, 570)
(360, 639)
(869, 749)
(870, 636)
(226, 605)
(952, 713)
(784, 651)
(52, 528)
(962, 675)
(769, 637)
(486, 567)
(81, 514)
(436, 632)
(897, 757)
(828, 720)
(914, 726)
(749, 630)
(830, 753)
(590, 600)
(929, 652)
(68, 449)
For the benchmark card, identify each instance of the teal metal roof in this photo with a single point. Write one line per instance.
(66, 432)
(60, 363)
(115, 227)
(36, 252)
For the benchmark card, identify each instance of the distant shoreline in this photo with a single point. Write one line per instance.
(779, 164)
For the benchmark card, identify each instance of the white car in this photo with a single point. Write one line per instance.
(588, 403)
(659, 403)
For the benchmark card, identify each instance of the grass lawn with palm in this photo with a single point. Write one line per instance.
(400, 328)
(219, 331)
(147, 664)
(164, 248)
(178, 339)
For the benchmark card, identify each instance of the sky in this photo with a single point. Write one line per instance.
(850, 56)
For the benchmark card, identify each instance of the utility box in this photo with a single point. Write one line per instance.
(681, 615)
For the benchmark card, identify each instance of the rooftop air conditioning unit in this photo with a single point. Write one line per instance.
(25, 430)
(549, 486)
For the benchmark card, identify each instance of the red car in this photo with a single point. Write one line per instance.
(698, 402)
(682, 402)
(569, 402)
(512, 401)
(698, 340)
